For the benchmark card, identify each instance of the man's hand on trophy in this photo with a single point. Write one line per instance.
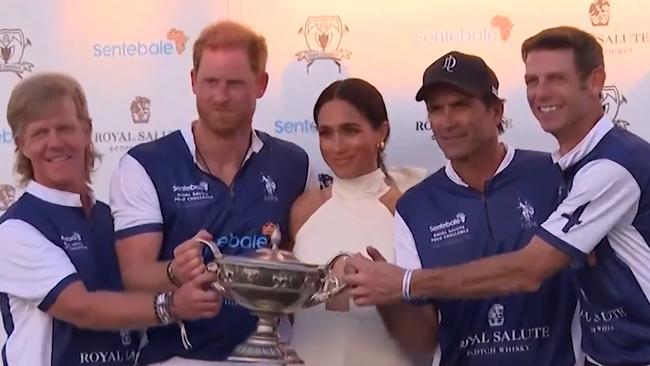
(196, 299)
(188, 259)
(375, 282)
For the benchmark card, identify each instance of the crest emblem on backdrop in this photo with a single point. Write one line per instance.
(12, 50)
(7, 196)
(323, 36)
(612, 100)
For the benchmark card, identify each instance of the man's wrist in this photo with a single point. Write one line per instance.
(163, 305)
(406, 284)
(172, 276)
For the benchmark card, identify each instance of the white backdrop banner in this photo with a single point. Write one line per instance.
(134, 57)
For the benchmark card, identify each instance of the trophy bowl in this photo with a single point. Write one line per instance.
(271, 282)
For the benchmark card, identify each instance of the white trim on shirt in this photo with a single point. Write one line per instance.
(505, 162)
(406, 253)
(55, 196)
(584, 147)
(604, 196)
(33, 272)
(602, 203)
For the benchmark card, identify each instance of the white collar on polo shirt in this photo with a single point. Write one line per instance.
(188, 136)
(586, 145)
(55, 196)
(507, 159)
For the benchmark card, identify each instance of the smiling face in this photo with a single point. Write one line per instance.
(461, 123)
(557, 94)
(56, 144)
(349, 143)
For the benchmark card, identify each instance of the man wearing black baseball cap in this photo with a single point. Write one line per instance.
(468, 73)
(487, 200)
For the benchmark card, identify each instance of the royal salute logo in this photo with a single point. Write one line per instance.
(425, 126)
(141, 110)
(599, 13)
(125, 336)
(12, 50)
(612, 100)
(122, 140)
(496, 315)
(7, 196)
(624, 38)
(323, 36)
(499, 339)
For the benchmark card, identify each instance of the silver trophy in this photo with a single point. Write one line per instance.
(271, 282)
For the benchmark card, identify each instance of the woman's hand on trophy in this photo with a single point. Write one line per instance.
(188, 259)
(196, 299)
(374, 282)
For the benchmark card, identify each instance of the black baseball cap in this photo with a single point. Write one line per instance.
(468, 73)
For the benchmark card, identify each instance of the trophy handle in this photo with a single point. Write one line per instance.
(331, 286)
(214, 265)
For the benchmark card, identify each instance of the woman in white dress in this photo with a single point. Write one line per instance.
(354, 212)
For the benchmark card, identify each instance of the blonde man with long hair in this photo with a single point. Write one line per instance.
(60, 285)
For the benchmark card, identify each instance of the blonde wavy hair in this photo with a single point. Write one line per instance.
(30, 100)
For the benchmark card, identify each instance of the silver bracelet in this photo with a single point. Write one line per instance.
(163, 308)
(406, 284)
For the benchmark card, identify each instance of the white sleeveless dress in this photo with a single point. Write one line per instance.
(350, 220)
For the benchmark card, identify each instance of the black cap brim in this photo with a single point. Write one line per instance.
(465, 88)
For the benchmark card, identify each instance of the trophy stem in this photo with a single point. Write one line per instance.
(264, 345)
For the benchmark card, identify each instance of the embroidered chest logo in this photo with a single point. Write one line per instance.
(443, 233)
(496, 315)
(194, 192)
(125, 336)
(73, 242)
(527, 212)
(269, 188)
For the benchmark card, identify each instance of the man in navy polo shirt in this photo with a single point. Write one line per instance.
(217, 174)
(61, 298)
(601, 227)
(488, 199)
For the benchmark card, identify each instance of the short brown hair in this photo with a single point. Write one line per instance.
(587, 51)
(29, 101)
(228, 34)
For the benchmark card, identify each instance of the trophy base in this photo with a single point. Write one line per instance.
(265, 346)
